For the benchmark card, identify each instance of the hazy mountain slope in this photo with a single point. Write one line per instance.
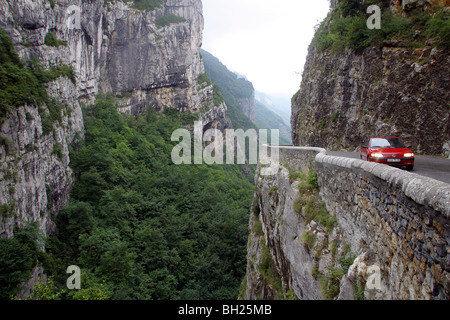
(267, 119)
(278, 103)
(244, 110)
(238, 93)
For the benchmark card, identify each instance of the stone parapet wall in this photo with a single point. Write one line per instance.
(392, 219)
(298, 158)
(403, 218)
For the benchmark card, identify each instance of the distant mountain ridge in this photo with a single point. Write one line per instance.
(268, 119)
(246, 108)
(278, 103)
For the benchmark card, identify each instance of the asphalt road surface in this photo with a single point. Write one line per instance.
(433, 167)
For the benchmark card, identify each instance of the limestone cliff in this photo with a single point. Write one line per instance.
(147, 58)
(397, 85)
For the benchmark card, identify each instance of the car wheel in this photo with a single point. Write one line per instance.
(410, 168)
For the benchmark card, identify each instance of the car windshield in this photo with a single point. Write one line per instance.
(386, 143)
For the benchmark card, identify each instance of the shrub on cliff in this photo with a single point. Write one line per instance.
(18, 84)
(168, 19)
(346, 27)
(147, 5)
(17, 259)
(52, 41)
(438, 27)
(23, 83)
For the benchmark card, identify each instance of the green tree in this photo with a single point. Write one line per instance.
(19, 255)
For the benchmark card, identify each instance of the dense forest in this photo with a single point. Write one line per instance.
(138, 226)
(345, 27)
(147, 228)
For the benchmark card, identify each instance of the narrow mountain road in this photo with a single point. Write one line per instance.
(429, 166)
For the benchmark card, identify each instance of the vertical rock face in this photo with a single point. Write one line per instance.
(279, 264)
(116, 48)
(158, 65)
(36, 177)
(394, 90)
(113, 48)
(249, 107)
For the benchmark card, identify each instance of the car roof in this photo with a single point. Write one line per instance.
(384, 138)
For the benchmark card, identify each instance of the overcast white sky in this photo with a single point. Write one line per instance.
(265, 40)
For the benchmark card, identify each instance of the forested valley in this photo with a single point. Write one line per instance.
(138, 226)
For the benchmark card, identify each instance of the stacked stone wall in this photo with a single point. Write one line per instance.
(397, 218)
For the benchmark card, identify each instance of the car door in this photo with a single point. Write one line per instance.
(365, 151)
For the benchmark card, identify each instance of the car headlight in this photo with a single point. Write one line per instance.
(409, 155)
(376, 155)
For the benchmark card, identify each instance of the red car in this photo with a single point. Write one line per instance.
(388, 150)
